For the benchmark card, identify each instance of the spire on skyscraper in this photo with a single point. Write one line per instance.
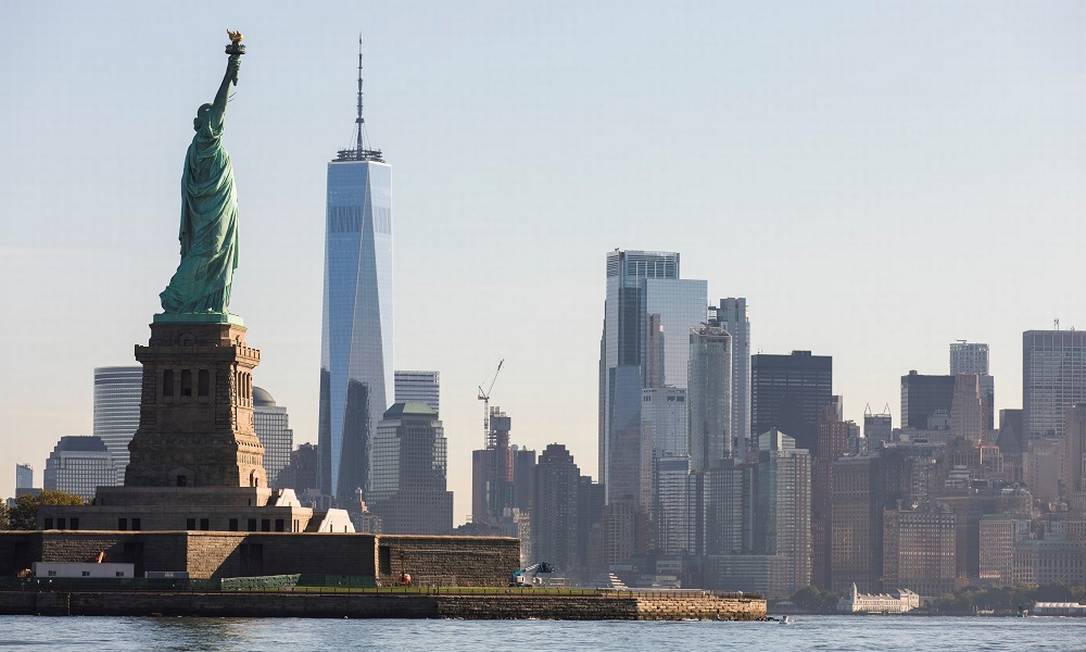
(359, 152)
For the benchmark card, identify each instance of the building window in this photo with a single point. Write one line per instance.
(73, 524)
(252, 525)
(186, 382)
(167, 382)
(280, 525)
(48, 524)
(61, 525)
(265, 525)
(52, 573)
(233, 526)
(190, 524)
(182, 481)
(296, 526)
(205, 524)
(85, 573)
(122, 524)
(135, 524)
(119, 574)
(203, 383)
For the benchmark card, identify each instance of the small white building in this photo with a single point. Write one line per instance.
(1058, 609)
(898, 602)
(82, 569)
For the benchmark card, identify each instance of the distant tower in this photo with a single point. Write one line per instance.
(24, 477)
(731, 314)
(554, 508)
(789, 392)
(1053, 380)
(272, 425)
(407, 472)
(79, 465)
(422, 386)
(972, 358)
(709, 396)
(117, 393)
(356, 335)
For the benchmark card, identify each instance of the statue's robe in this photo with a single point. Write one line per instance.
(209, 225)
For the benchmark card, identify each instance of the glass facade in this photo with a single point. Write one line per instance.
(24, 476)
(1053, 379)
(789, 392)
(709, 396)
(663, 419)
(731, 315)
(272, 425)
(117, 410)
(407, 477)
(356, 334)
(424, 386)
(79, 465)
(671, 509)
(648, 314)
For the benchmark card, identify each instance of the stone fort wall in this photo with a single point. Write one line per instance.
(431, 560)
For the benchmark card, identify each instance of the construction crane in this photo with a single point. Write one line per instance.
(484, 396)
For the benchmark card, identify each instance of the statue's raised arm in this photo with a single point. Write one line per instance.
(233, 64)
(200, 288)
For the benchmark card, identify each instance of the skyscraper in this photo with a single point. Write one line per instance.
(424, 386)
(648, 314)
(492, 471)
(672, 504)
(967, 409)
(832, 443)
(117, 410)
(356, 333)
(79, 465)
(972, 358)
(663, 420)
(878, 428)
(709, 396)
(926, 400)
(731, 314)
(1053, 379)
(24, 477)
(788, 393)
(554, 508)
(407, 472)
(300, 474)
(782, 525)
(272, 426)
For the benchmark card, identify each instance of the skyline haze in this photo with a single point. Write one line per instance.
(914, 180)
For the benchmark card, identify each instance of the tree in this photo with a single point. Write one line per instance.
(24, 516)
(814, 599)
(4, 516)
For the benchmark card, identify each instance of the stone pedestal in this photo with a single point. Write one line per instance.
(196, 409)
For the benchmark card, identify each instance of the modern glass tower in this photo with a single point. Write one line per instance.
(117, 410)
(648, 314)
(356, 333)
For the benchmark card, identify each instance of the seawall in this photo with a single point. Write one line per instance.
(617, 605)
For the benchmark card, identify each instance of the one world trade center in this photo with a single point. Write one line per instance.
(356, 332)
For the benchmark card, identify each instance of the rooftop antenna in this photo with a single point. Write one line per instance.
(1056, 324)
(359, 152)
(359, 121)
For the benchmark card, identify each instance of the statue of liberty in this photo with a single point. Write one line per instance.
(200, 288)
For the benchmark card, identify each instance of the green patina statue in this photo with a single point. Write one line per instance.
(200, 288)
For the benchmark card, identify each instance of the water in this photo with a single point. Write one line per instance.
(911, 634)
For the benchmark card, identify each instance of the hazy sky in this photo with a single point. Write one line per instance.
(878, 178)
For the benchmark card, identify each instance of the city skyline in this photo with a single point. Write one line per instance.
(869, 354)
